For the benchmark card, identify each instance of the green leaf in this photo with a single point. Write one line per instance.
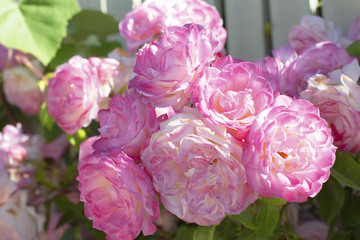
(247, 234)
(351, 211)
(76, 139)
(340, 235)
(35, 26)
(204, 233)
(274, 201)
(184, 232)
(90, 22)
(247, 218)
(331, 199)
(266, 220)
(346, 170)
(354, 49)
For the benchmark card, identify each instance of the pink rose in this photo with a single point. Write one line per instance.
(167, 67)
(321, 58)
(72, 95)
(196, 170)
(313, 29)
(141, 25)
(118, 196)
(126, 125)
(354, 30)
(21, 88)
(12, 141)
(125, 70)
(233, 96)
(338, 99)
(289, 152)
(76, 90)
(221, 62)
(275, 67)
(178, 13)
(105, 69)
(144, 23)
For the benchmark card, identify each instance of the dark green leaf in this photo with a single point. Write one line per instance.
(266, 220)
(247, 234)
(274, 201)
(351, 211)
(36, 26)
(331, 199)
(346, 170)
(247, 217)
(90, 22)
(204, 233)
(184, 232)
(354, 49)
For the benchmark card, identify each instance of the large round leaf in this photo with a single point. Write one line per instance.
(35, 26)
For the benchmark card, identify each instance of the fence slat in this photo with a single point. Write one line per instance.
(342, 13)
(284, 14)
(89, 4)
(244, 20)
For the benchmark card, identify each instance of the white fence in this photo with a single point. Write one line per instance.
(248, 22)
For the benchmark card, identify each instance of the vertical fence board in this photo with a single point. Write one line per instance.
(342, 13)
(284, 14)
(244, 20)
(89, 4)
(118, 9)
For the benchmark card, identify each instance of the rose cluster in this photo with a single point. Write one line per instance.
(185, 131)
(208, 135)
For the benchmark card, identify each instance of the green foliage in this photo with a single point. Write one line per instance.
(247, 217)
(354, 49)
(87, 36)
(76, 139)
(185, 232)
(346, 170)
(331, 199)
(204, 233)
(40, 25)
(266, 219)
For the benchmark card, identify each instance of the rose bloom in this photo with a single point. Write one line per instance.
(289, 152)
(141, 25)
(12, 141)
(167, 67)
(338, 99)
(72, 95)
(197, 170)
(232, 96)
(126, 125)
(21, 88)
(354, 30)
(314, 29)
(76, 90)
(125, 69)
(321, 58)
(105, 69)
(118, 196)
(275, 67)
(178, 13)
(145, 22)
(19, 221)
